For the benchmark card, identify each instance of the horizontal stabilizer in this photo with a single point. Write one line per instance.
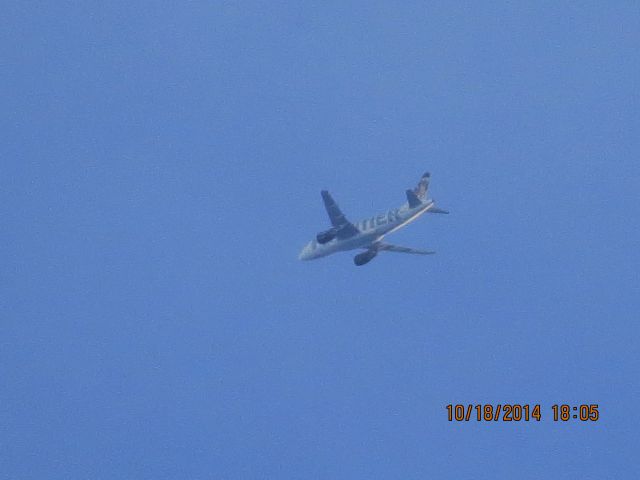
(413, 199)
(437, 210)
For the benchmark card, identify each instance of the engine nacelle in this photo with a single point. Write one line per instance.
(364, 257)
(327, 236)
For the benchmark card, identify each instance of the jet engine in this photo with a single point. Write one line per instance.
(365, 257)
(327, 236)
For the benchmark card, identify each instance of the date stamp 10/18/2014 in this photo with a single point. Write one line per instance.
(516, 412)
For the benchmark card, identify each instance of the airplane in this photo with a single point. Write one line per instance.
(367, 234)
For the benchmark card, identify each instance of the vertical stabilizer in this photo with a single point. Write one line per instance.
(423, 187)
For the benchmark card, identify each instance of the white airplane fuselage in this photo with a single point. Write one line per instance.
(371, 230)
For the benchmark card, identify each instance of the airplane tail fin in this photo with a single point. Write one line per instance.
(419, 195)
(422, 187)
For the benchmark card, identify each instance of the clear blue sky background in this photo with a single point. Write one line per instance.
(161, 169)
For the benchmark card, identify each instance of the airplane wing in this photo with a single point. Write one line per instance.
(345, 228)
(395, 248)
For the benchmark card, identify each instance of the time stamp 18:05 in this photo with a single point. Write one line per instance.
(515, 412)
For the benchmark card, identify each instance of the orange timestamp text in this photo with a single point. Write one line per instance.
(516, 412)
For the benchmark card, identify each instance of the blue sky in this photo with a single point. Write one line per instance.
(162, 164)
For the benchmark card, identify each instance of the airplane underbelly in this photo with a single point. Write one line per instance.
(358, 241)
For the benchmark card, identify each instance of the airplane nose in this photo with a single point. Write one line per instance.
(304, 253)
